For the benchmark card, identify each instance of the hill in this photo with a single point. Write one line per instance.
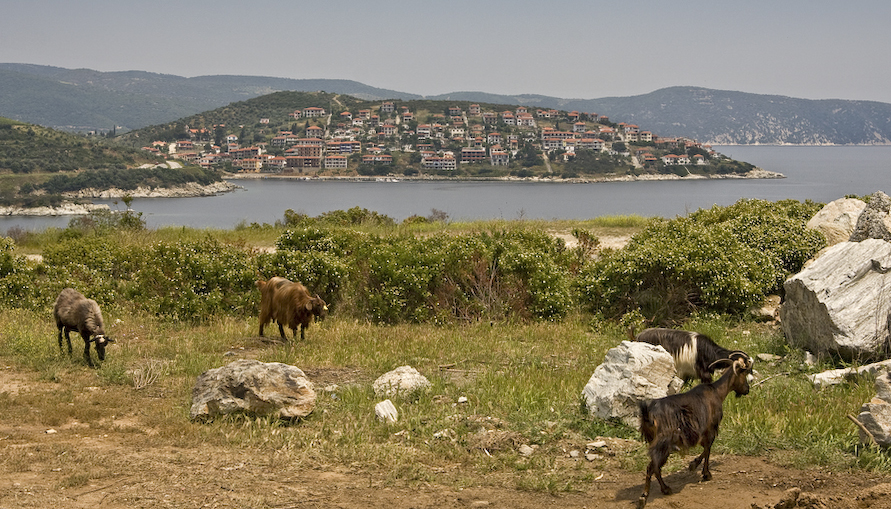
(87, 100)
(28, 148)
(84, 100)
(38, 165)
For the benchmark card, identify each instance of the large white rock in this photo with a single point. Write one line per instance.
(837, 219)
(255, 388)
(841, 302)
(631, 372)
(403, 381)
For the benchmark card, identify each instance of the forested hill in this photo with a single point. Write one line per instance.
(28, 148)
(83, 99)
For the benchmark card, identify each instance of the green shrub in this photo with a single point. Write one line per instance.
(320, 272)
(194, 280)
(723, 259)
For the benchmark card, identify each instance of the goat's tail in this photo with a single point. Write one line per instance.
(631, 333)
(648, 426)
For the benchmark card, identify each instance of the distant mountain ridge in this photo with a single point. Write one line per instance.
(84, 99)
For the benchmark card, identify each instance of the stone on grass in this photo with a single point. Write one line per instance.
(386, 411)
(254, 388)
(841, 375)
(631, 372)
(404, 381)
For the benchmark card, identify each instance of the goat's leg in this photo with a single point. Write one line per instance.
(703, 458)
(87, 350)
(68, 339)
(642, 501)
(60, 340)
(264, 319)
(302, 332)
(658, 457)
(281, 330)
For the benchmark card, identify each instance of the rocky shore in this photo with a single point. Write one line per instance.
(72, 208)
(65, 209)
(191, 189)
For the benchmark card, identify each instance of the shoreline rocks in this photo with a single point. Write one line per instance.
(65, 209)
(189, 190)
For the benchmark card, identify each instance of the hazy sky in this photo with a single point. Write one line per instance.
(585, 49)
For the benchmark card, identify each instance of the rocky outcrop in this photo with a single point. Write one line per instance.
(874, 222)
(841, 302)
(631, 372)
(255, 388)
(837, 219)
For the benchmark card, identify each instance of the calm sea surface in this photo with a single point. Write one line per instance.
(821, 174)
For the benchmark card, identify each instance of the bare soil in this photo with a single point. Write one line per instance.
(34, 472)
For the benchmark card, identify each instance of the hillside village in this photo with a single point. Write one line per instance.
(391, 139)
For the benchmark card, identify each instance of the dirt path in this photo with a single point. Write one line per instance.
(124, 461)
(209, 477)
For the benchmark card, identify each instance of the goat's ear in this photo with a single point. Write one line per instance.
(308, 305)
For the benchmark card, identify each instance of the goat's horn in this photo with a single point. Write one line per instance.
(720, 363)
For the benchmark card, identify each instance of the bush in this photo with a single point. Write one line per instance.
(194, 280)
(723, 259)
(321, 272)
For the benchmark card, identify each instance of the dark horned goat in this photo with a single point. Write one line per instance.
(74, 312)
(681, 421)
(693, 352)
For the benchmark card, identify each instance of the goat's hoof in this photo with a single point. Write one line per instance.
(641, 502)
(666, 491)
(706, 476)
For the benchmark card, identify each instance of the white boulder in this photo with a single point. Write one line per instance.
(631, 372)
(404, 381)
(837, 219)
(255, 388)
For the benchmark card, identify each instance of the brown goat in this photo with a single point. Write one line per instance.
(682, 421)
(74, 312)
(288, 303)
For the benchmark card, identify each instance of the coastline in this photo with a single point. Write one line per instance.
(190, 190)
(757, 173)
